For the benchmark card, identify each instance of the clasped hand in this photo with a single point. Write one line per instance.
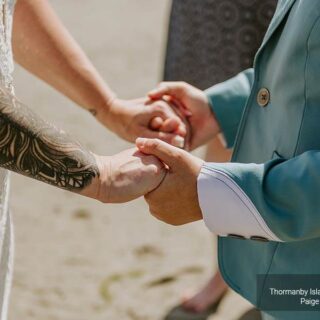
(175, 201)
(165, 175)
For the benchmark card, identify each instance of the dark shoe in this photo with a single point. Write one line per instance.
(180, 313)
(252, 314)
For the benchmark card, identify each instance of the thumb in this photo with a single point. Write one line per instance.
(165, 152)
(173, 89)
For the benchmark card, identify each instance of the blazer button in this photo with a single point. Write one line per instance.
(261, 239)
(263, 97)
(235, 236)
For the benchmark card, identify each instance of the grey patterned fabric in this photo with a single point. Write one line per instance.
(212, 40)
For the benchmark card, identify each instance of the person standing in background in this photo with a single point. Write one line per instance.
(210, 41)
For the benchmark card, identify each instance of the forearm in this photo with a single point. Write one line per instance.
(42, 45)
(32, 147)
(276, 200)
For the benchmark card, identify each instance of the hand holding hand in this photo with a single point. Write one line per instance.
(131, 119)
(175, 201)
(125, 176)
(196, 107)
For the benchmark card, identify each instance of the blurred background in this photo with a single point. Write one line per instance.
(79, 259)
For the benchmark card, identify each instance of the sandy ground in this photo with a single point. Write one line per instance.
(78, 259)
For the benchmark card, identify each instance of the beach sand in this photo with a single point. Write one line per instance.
(79, 259)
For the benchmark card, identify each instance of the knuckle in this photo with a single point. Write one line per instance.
(153, 170)
(179, 155)
(183, 84)
(153, 144)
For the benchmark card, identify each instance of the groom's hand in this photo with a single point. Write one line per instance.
(194, 103)
(175, 201)
(130, 119)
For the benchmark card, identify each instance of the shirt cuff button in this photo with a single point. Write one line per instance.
(257, 238)
(236, 236)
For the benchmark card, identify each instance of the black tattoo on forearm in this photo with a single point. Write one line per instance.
(32, 147)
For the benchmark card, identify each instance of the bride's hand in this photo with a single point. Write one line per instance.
(126, 176)
(131, 119)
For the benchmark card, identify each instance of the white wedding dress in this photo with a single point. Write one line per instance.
(6, 234)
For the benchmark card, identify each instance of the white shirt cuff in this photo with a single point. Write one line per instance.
(227, 210)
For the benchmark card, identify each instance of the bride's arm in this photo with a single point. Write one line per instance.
(33, 147)
(42, 45)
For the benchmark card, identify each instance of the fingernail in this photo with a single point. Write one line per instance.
(178, 141)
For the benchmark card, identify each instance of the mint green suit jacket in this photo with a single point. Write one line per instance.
(276, 158)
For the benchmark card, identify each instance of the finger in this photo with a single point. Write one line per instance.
(170, 125)
(184, 128)
(159, 109)
(171, 138)
(174, 89)
(178, 104)
(182, 131)
(156, 123)
(175, 121)
(174, 126)
(164, 151)
(181, 124)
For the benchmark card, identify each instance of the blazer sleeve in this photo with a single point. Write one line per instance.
(278, 200)
(227, 100)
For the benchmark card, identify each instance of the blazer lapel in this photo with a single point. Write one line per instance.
(283, 8)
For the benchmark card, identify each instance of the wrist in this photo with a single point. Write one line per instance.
(99, 185)
(109, 114)
(212, 124)
(106, 104)
(207, 124)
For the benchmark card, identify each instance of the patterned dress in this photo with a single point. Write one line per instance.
(6, 235)
(212, 40)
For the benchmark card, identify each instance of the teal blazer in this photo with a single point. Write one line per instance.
(270, 114)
